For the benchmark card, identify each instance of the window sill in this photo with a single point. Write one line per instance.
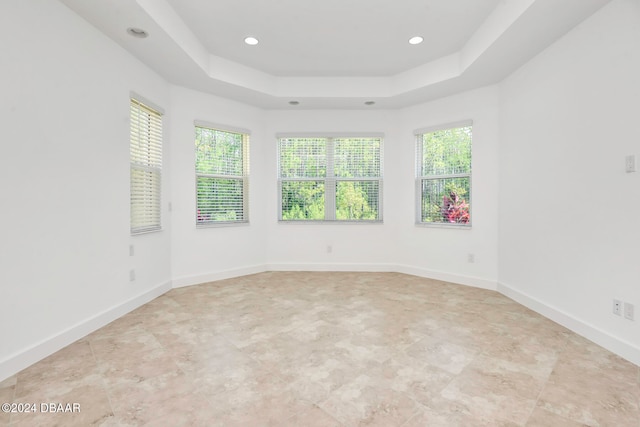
(222, 224)
(143, 232)
(443, 225)
(336, 222)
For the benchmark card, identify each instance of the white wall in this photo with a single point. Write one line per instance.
(445, 250)
(569, 228)
(397, 244)
(553, 211)
(64, 174)
(204, 254)
(304, 246)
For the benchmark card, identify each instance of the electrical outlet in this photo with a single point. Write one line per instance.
(617, 307)
(471, 258)
(132, 275)
(630, 163)
(329, 249)
(628, 310)
(131, 250)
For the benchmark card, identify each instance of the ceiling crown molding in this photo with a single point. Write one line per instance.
(514, 32)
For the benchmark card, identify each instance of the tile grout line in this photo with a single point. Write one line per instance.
(420, 407)
(544, 386)
(13, 399)
(160, 325)
(104, 384)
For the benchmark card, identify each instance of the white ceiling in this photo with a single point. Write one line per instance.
(333, 37)
(335, 53)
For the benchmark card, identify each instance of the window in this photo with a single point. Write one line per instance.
(222, 176)
(145, 147)
(330, 179)
(443, 181)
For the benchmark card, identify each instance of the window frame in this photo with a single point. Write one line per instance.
(244, 177)
(419, 178)
(154, 146)
(330, 180)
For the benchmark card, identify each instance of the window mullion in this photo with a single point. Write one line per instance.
(220, 176)
(302, 179)
(245, 176)
(446, 176)
(330, 183)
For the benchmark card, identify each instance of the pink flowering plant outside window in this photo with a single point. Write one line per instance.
(454, 209)
(444, 176)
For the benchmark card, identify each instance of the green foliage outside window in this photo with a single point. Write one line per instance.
(303, 200)
(445, 170)
(220, 175)
(357, 200)
(303, 158)
(347, 168)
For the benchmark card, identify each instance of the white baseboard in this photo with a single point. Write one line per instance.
(388, 268)
(18, 361)
(218, 275)
(459, 279)
(372, 267)
(615, 345)
(25, 358)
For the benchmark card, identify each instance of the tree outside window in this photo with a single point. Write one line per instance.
(444, 176)
(330, 179)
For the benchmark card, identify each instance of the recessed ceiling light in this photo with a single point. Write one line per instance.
(416, 40)
(251, 41)
(294, 102)
(137, 32)
(369, 102)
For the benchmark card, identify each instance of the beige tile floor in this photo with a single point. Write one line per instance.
(330, 349)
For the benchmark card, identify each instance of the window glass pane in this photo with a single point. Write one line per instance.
(145, 198)
(447, 151)
(145, 152)
(145, 136)
(357, 200)
(346, 169)
(303, 200)
(219, 199)
(357, 157)
(303, 157)
(445, 200)
(218, 152)
(222, 167)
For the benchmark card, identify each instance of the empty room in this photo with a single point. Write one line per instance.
(337, 213)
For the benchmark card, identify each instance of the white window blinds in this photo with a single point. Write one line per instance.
(146, 167)
(328, 179)
(222, 176)
(444, 176)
